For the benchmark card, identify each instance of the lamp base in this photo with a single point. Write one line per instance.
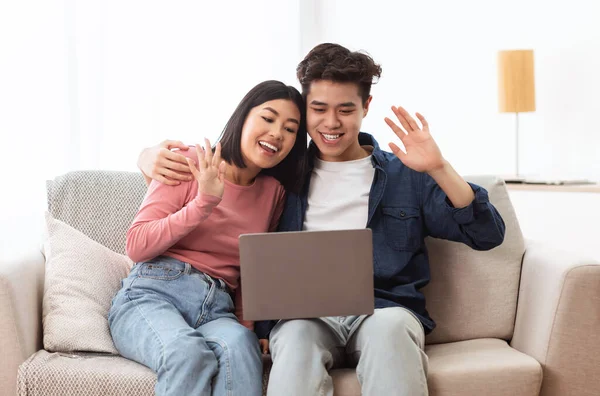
(514, 180)
(548, 182)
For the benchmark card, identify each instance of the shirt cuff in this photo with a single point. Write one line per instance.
(205, 201)
(203, 205)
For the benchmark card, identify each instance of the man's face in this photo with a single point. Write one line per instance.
(334, 115)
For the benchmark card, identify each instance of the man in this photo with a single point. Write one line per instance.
(402, 196)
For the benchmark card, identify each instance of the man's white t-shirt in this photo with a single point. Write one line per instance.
(338, 197)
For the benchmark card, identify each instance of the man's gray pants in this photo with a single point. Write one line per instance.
(386, 348)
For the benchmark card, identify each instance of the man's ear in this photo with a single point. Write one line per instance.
(366, 106)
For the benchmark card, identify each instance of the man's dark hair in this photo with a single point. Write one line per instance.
(289, 171)
(334, 62)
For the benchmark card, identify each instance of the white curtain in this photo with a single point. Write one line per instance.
(88, 84)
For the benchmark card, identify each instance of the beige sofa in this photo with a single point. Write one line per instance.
(522, 319)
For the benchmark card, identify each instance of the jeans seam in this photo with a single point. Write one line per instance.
(187, 269)
(225, 348)
(206, 304)
(155, 333)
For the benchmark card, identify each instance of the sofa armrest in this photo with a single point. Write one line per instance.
(21, 291)
(558, 317)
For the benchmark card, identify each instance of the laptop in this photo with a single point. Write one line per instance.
(307, 274)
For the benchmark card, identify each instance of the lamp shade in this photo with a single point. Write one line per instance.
(516, 81)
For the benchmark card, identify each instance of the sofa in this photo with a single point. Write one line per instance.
(522, 319)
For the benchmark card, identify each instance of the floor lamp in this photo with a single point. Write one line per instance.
(516, 88)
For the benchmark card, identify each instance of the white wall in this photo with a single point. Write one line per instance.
(157, 70)
(96, 80)
(33, 110)
(88, 84)
(439, 58)
(564, 220)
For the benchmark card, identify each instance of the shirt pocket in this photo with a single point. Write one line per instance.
(402, 227)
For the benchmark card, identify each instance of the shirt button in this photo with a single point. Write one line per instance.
(402, 214)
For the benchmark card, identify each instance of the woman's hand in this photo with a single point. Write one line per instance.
(210, 173)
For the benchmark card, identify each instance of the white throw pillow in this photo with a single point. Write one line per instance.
(82, 277)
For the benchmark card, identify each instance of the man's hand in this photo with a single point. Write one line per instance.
(422, 152)
(264, 345)
(162, 164)
(424, 155)
(210, 174)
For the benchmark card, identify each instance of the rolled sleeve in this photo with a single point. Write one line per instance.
(478, 225)
(468, 214)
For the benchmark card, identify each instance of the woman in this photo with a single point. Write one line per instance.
(175, 313)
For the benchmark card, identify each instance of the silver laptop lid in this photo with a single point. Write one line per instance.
(307, 274)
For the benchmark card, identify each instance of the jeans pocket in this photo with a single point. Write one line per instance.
(402, 227)
(226, 301)
(161, 270)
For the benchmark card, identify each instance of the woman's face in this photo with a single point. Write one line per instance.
(269, 133)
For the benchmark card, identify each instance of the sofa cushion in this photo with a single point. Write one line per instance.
(473, 294)
(88, 374)
(482, 367)
(82, 277)
(467, 368)
(476, 367)
(57, 374)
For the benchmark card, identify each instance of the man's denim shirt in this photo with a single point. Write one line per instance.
(406, 206)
